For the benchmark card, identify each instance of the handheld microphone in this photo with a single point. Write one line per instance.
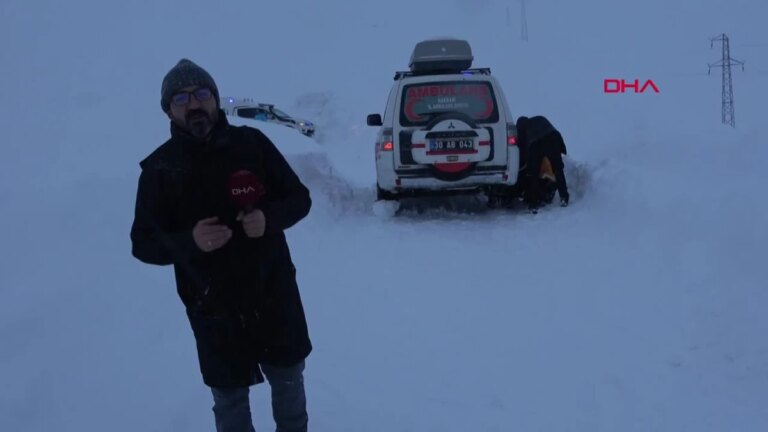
(245, 190)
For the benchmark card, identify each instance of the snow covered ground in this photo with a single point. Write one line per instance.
(640, 307)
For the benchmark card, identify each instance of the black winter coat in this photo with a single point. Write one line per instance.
(537, 129)
(538, 139)
(242, 300)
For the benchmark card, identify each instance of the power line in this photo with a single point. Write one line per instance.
(728, 116)
(524, 22)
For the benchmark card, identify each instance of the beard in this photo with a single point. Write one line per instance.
(199, 123)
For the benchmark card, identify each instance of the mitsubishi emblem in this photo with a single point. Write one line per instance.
(451, 126)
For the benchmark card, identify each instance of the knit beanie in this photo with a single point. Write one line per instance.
(186, 73)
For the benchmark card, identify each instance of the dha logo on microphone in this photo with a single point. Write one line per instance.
(245, 188)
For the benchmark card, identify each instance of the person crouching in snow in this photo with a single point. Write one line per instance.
(542, 147)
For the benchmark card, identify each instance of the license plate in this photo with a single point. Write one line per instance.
(451, 145)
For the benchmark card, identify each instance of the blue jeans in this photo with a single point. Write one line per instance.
(232, 409)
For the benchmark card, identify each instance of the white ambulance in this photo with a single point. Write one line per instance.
(446, 129)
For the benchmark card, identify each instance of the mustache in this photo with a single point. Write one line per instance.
(195, 112)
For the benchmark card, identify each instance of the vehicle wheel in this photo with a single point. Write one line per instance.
(495, 202)
(382, 195)
(501, 197)
(387, 204)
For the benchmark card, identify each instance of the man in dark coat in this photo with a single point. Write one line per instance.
(213, 201)
(541, 143)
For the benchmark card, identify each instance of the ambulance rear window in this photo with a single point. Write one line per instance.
(422, 102)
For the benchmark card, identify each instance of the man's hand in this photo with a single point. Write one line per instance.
(209, 235)
(254, 223)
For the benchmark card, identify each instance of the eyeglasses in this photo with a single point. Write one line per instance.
(202, 94)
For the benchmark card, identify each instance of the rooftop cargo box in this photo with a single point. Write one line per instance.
(441, 55)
